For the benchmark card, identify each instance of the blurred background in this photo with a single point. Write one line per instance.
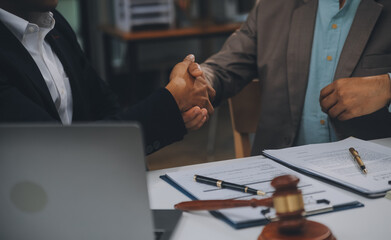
(134, 44)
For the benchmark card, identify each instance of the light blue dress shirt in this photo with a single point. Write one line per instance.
(331, 29)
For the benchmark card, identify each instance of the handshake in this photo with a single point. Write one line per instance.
(191, 92)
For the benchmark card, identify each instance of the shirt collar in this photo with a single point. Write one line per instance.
(18, 26)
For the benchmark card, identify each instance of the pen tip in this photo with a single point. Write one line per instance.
(259, 192)
(365, 171)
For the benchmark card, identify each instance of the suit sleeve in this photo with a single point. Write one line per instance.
(158, 114)
(160, 118)
(234, 65)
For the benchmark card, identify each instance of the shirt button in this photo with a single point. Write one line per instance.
(329, 58)
(322, 122)
(334, 26)
(31, 29)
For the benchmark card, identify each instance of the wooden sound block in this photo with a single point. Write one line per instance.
(311, 231)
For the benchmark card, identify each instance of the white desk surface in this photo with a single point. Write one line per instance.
(370, 222)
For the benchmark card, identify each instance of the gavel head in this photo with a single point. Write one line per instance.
(288, 203)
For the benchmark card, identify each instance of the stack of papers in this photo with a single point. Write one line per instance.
(333, 162)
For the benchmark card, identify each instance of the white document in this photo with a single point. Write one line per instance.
(334, 162)
(257, 172)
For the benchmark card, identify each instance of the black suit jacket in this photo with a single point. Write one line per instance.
(24, 96)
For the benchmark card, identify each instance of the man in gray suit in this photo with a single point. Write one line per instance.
(323, 67)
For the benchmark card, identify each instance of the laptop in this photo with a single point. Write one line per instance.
(76, 182)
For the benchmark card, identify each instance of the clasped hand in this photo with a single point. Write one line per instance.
(347, 98)
(191, 92)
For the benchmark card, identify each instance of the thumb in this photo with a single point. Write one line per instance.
(189, 59)
(181, 68)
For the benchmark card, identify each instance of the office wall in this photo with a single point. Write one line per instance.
(71, 11)
(152, 56)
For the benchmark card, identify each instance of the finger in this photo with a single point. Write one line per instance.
(209, 107)
(196, 123)
(210, 89)
(345, 116)
(211, 93)
(189, 59)
(181, 69)
(191, 114)
(328, 102)
(195, 70)
(204, 112)
(200, 124)
(336, 110)
(326, 91)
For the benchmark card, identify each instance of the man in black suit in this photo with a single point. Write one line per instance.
(45, 77)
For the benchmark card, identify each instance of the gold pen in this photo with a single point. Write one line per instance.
(358, 160)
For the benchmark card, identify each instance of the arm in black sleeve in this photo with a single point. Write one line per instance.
(160, 118)
(158, 114)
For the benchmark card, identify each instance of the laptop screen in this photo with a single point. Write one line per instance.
(73, 182)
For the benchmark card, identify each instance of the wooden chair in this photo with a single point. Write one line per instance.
(244, 109)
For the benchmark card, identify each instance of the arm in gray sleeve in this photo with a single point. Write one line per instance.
(234, 65)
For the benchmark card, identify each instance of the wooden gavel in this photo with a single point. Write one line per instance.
(288, 202)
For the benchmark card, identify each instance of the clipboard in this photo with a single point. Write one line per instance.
(333, 164)
(259, 216)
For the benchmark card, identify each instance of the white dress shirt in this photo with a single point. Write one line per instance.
(32, 35)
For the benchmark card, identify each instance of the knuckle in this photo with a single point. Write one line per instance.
(344, 103)
(340, 93)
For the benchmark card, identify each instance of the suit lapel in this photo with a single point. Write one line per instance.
(15, 55)
(360, 31)
(299, 55)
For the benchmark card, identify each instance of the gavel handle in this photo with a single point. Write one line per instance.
(220, 204)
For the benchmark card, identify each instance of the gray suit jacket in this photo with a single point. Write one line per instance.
(274, 45)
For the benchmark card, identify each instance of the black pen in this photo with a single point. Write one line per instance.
(228, 185)
(357, 158)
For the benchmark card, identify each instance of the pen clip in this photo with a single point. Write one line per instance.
(318, 208)
(327, 208)
(325, 201)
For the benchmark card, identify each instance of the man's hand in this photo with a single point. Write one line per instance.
(348, 98)
(195, 118)
(196, 71)
(187, 91)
